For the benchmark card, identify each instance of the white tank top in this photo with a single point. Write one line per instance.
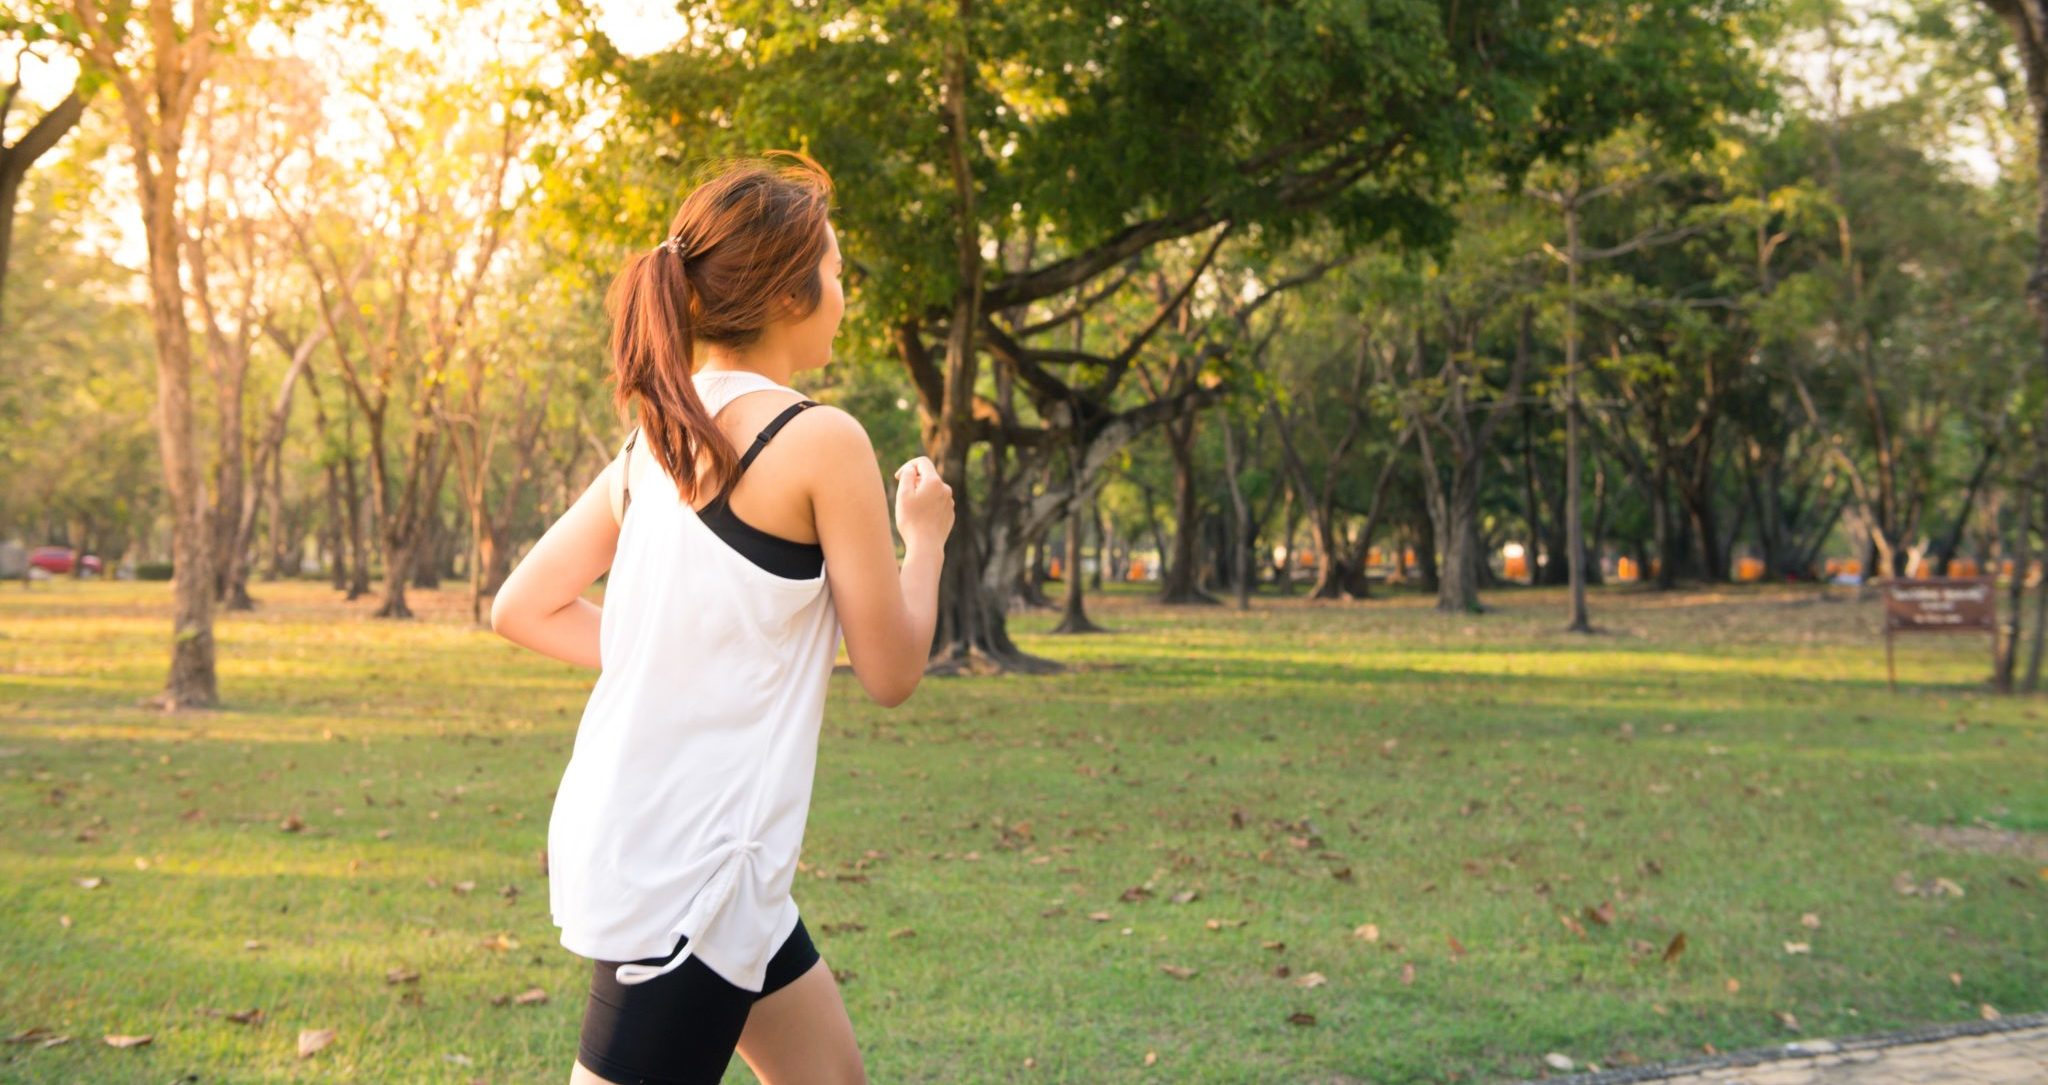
(682, 809)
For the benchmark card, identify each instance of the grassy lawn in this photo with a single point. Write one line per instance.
(1000, 868)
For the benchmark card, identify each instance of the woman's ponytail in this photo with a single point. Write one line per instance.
(649, 305)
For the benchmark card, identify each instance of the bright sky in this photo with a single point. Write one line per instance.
(637, 27)
(640, 27)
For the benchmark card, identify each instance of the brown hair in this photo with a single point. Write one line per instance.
(745, 238)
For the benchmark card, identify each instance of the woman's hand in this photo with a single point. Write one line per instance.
(924, 505)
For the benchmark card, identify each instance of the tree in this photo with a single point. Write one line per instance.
(157, 66)
(432, 230)
(38, 139)
(1102, 138)
(1669, 69)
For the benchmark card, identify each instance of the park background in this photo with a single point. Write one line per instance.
(1427, 474)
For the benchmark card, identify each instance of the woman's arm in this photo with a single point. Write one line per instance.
(541, 604)
(886, 613)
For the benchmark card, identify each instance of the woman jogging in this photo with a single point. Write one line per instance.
(745, 528)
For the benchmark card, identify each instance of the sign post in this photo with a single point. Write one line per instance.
(1955, 605)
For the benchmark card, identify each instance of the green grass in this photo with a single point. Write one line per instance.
(1715, 763)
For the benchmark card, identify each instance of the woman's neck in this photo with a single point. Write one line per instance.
(775, 369)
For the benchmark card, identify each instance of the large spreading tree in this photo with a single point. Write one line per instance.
(965, 130)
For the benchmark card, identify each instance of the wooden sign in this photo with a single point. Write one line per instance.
(1953, 605)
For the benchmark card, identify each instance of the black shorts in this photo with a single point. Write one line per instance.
(680, 1028)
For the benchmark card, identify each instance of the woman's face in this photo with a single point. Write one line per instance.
(812, 337)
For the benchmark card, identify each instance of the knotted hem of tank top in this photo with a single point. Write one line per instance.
(709, 903)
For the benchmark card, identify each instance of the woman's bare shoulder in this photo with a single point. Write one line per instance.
(829, 429)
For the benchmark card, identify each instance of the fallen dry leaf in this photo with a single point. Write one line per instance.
(1368, 931)
(1988, 1012)
(1186, 896)
(401, 975)
(1311, 979)
(128, 1041)
(1178, 971)
(1603, 915)
(311, 1040)
(1810, 921)
(532, 996)
(1303, 1019)
(1676, 947)
(247, 1017)
(1151, 1057)
(1558, 1062)
(292, 824)
(1732, 985)
(1099, 917)
(89, 883)
(1798, 947)
(1788, 1020)
(1407, 972)
(903, 932)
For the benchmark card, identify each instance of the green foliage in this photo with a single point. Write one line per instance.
(77, 376)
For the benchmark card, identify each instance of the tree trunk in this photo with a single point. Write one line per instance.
(1101, 541)
(1290, 515)
(1425, 553)
(1457, 590)
(283, 536)
(358, 536)
(1667, 538)
(1241, 513)
(971, 633)
(334, 533)
(2007, 659)
(1532, 510)
(2033, 681)
(1177, 580)
(1074, 615)
(192, 682)
(1575, 530)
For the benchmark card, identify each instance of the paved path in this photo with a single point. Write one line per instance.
(2012, 1051)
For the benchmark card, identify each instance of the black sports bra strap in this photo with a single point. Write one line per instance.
(768, 432)
(626, 475)
(760, 442)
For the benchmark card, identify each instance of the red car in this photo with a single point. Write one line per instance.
(58, 559)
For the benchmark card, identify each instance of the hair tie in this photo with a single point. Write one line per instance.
(674, 245)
